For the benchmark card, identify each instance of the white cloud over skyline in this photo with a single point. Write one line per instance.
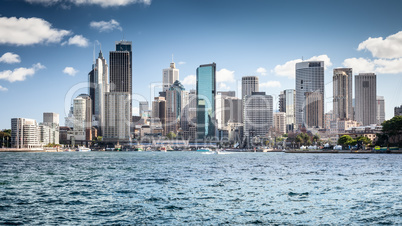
(20, 74)
(379, 66)
(189, 80)
(262, 71)
(70, 71)
(288, 69)
(29, 31)
(10, 58)
(106, 26)
(102, 3)
(77, 40)
(390, 47)
(3, 89)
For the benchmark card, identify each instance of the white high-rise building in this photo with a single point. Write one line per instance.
(99, 85)
(342, 88)
(366, 96)
(117, 117)
(51, 121)
(380, 110)
(309, 78)
(82, 108)
(257, 114)
(24, 133)
(249, 84)
(170, 75)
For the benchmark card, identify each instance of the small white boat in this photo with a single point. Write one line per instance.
(83, 149)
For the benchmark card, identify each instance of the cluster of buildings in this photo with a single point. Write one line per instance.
(205, 114)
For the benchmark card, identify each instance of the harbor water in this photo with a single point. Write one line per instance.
(176, 188)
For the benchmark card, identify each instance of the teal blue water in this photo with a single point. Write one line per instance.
(183, 188)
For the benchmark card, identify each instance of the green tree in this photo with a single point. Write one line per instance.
(303, 138)
(285, 135)
(392, 129)
(365, 140)
(171, 135)
(345, 140)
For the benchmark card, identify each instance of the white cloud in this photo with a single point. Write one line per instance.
(20, 74)
(359, 65)
(390, 47)
(10, 58)
(189, 80)
(77, 40)
(261, 71)
(288, 69)
(102, 3)
(223, 86)
(29, 31)
(70, 71)
(3, 89)
(106, 26)
(181, 62)
(224, 75)
(270, 84)
(380, 66)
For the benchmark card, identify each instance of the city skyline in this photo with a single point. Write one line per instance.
(38, 71)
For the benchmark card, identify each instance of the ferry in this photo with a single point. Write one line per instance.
(83, 149)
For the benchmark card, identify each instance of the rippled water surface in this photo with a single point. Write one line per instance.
(196, 188)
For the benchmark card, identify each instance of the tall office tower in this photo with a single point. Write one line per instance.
(221, 110)
(51, 120)
(309, 78)
(82, 107)
(121, 73)
(189, 112)
(282, 101)
(257, 114)
(117, 116)
(398, 111)
(159, 111)
(206, 91)
(174, 97)
(314, 109)
(170, 75)
(232, 110)
(99, 85)
(366, 96)
(249, 84)
(280, 122)
(143, 107)
(24, 133)
(342, 92)
(290, 108)
(380, 110)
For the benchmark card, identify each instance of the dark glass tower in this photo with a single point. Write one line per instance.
(206, 91)
(121, 69)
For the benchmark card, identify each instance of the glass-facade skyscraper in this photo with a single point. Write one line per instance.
(309, 78)
(206, 91)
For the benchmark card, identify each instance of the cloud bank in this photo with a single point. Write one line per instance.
(20, 74)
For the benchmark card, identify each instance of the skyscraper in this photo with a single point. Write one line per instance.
(51, 120)
(342, 92)
(366, 96)
(287, 105)
(174, 97)
(314, 110)
(257, 114)
(170, 75)
(117, 116)
(99, 85)
(380, 110)
(398, 111)
(280, 122)
(121, 69)
(206, 91)
(249, 84)
(309, 78)
(82, 108)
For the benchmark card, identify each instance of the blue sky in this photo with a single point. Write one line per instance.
(46, 46)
